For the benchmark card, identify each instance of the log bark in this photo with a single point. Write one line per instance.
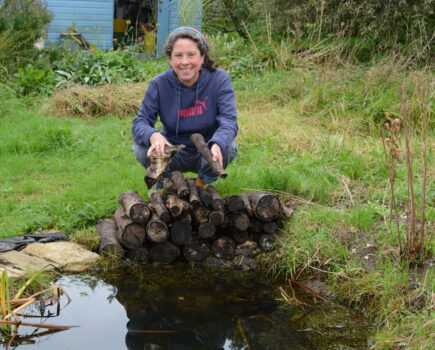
(174, 204)
(159, 206)
(241, 221)
(255, 225)
(206, 230)
(109, 244)
(202, 147)
(223, 248)
(168, 187)
(181, 233)
(159, 163)
(216, 217)
(135, 207)
(156, 230)
(196, 250)
(247, 204)
(266, 207)
(244, 263)
(249, 249)
(200, 214)
(270, 227)
(266, 242)
(185, 218)
(205, 196)
(180, 184)
(194, 199)
(130, 234)
(164, 253)
(216, 200)
(139, 256)
(234, 204)
(240, 236)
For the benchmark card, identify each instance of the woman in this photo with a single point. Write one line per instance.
(192, 96)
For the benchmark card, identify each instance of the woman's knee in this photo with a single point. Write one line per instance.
(141, 155)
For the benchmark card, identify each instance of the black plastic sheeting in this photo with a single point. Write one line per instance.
(19, 242)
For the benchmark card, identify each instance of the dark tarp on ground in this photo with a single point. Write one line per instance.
(19, 242)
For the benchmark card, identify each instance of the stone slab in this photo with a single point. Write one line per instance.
(18, 262)
(68, 256)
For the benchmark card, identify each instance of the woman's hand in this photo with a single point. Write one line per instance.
(217, 153)
(158, 142)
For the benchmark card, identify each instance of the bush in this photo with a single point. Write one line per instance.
(22, 24)
(31, 81)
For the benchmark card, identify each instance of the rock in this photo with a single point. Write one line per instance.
(70, 257)
(217, 263)
(17, 263)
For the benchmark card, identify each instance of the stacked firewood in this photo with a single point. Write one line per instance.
(186, 221)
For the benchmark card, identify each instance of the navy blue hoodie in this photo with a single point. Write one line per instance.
(207, 107)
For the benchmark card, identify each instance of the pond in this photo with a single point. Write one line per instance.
(184, 307)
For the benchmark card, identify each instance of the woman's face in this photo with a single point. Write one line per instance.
(186, 61)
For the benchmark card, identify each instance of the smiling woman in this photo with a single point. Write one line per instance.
(192, 96)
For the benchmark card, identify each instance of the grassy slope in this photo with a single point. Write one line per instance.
(306, 134)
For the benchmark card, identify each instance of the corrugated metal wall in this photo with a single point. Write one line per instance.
(93, 19)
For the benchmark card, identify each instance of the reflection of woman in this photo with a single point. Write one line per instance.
(192, 96)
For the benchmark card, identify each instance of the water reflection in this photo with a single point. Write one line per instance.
(190, 308)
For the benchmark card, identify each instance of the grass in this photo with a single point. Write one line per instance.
(309, 135)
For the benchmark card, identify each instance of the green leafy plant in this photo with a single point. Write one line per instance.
(32, 81)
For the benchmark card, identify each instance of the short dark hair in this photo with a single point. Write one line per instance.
(209, 63)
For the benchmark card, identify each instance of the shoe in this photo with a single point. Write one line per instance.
(200, 183)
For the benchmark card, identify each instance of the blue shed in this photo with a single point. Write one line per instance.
(102, 21)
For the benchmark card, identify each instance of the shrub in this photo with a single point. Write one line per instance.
(22, 24)
(31, 81)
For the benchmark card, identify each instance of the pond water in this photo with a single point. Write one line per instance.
(183, 307)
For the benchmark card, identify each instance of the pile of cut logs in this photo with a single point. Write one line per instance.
(187, 221)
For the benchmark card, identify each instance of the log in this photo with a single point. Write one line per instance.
(194, 199)
(241, 221)
(244, 263)
(216, 217)
(140, 256)
(217, 263)
(130, 234)
(206, 230)
(168, 187)
(205, 196)
(197, 250)
(164, 253)
(234, 204)
(159, 163)
(249, 249)
(266, 207)
(270, 227)
(240, 236)
(174, 204)
(223, 248)
(266, 242)
(255, 225)
(202, 147)
(156, 230)
(159, 206)
(109, 244)
(216, 200)
(185, 218)
(181, 233)
(200, 214)
(180, 184)
(135, 207)
(245, 200)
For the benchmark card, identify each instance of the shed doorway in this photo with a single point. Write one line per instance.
(135, 24)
